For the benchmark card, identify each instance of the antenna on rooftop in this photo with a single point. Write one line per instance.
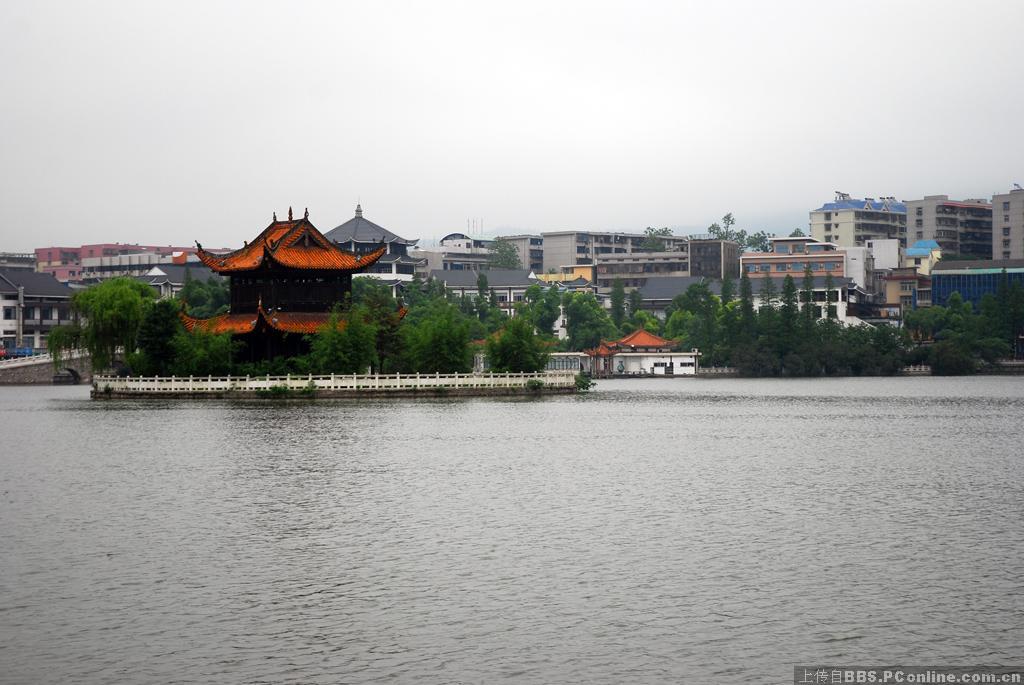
(1016, 186)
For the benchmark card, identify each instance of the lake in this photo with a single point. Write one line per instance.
(651, 531)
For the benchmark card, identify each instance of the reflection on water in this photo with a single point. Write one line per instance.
(652, 531)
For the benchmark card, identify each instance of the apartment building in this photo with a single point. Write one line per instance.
(902, 290)
(1008, 224)
(530, 249)
(958, 226)
(454, 252)
(792, 256)
(851, 222)
(569, 248)
(31, 304)
(637, 268)
(65, 263)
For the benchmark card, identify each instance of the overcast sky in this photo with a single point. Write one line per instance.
(176, 121)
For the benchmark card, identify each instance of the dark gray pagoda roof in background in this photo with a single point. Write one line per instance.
(363, 230)
(36, 284)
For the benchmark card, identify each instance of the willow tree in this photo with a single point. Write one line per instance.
(106, 321)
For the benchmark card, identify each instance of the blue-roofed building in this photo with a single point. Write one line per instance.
(923, 255)
(851, 222)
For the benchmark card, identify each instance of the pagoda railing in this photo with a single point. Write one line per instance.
(197, 385)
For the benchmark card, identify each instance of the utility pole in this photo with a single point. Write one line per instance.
(19, 325)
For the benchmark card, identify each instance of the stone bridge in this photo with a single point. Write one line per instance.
(76, 367)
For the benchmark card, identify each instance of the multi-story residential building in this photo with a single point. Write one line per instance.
(850, 222)
(65, 263)
(958, 226)
(1008, 224)
(530, 249)
(902, 290)
(887, 253)
(94, 269)
(31, 304)
(973, 279)
(18, 260)
(454, 252)
(361, 236)
(793, 256)
(627, 256)
(570, 248)
(713, 258)
(635, 269)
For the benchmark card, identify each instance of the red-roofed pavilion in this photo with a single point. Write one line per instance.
(283, 286)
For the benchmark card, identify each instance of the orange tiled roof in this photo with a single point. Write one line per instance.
(296, 244)
(642, 338)
(601, 350)
(225, 323)
(239, 324)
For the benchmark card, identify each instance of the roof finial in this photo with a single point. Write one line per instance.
(359, 209)
(306, 215)
(275, 217)
(289, 213)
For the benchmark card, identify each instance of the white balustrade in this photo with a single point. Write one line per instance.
(348, 383)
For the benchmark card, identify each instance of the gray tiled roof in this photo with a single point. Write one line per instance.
(667, 287)
(36, 284)
(364, 231)
(175, 273)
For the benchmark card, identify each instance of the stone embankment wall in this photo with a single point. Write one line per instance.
(42, 373)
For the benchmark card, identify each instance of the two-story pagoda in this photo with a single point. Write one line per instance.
(283, 287)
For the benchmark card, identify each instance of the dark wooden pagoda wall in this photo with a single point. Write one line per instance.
(290, 290)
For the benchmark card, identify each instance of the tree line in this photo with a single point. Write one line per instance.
(776, 334)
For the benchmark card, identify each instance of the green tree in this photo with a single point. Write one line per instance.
(205, 298)
(618, 302)
(654, 239)
(159, 325)
(503, 255)
(347, 343)
(516, 349)
(587, 323)
(748, 319)
(202, 354)
(810, 310)
(108, 317)
(797, 233)
(438, 340)
(758, 242)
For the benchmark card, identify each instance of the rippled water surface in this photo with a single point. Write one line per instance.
(704, 531)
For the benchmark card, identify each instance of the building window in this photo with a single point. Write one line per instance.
(1006, 255)
(906, 287)
(830, 266)
(30, 313)
(919, 211)
(1006, 230)
(1006, 206)
(781, 267)
(766, 267)
(9, 313)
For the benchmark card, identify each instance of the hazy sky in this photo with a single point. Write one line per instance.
(175, 121)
